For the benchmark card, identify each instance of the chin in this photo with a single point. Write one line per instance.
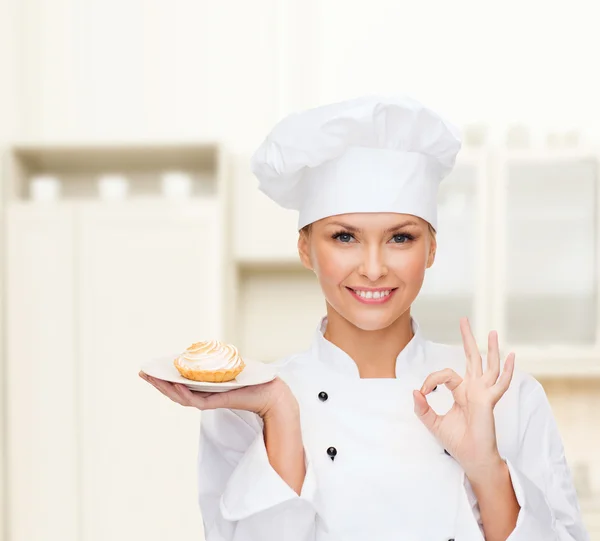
(371, 322)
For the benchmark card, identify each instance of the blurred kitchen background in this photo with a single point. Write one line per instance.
(132, 225)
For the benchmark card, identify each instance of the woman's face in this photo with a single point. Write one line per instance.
(370, 265)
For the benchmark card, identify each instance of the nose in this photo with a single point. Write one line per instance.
(373, 264)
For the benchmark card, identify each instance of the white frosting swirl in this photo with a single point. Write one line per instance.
(210, 355)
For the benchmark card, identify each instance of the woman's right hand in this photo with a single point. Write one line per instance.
(262, 399)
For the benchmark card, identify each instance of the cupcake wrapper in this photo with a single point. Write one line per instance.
(212, 376)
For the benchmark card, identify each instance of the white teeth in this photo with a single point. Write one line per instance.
(371, 294)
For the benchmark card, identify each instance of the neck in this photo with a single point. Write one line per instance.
(374, 352)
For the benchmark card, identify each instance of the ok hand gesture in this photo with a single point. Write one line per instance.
(468, 430)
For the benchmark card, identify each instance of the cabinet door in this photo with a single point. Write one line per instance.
(551, 253)
(449, 288)
(149, 278)
(41, 364)
(262, 230)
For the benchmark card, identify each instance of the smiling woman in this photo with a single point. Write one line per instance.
(360, 256)
(375, 432)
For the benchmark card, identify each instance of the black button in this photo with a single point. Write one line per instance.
(323, 396)
(332, 451)
(452, 539)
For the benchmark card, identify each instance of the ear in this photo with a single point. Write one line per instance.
(304, 250)
(432, 251)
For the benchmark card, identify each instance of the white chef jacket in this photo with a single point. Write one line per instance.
(389, 479)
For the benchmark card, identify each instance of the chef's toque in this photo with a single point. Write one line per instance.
(369, 154)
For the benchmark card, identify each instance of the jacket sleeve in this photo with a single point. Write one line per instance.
(241, 496)
(542, 480)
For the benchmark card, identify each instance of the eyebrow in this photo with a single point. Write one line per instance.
(389, 230)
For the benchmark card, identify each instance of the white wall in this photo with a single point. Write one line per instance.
(8, 121)
(500, 61)
(143, 69)
(189, 68)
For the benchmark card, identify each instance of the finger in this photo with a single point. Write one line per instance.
(503, 383)
(447, 377)
(165, 388)
(199, 399)
(147, 378)
(144, 376)
(188, 393)
(474, 366)
(425, 412)
(493, 358)
(150, 379)
(182, 398)
(181, 394)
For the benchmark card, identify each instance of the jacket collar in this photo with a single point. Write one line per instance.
(410, 360)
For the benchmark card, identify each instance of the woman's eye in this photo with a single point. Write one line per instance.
(344, 237)
(401, 239)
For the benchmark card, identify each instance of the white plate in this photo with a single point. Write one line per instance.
(254, 373)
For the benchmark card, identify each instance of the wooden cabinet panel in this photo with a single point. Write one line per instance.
(41, 368)
(263, 231)
(278, 311)
(150, 284)
(95, 453)
(551, 253)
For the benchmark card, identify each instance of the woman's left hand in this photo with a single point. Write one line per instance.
(468, 431)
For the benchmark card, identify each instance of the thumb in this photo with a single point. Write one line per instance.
(424, 411)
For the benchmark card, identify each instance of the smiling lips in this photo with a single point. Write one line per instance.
(372, 296)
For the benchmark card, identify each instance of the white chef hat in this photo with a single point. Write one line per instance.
(369, 154)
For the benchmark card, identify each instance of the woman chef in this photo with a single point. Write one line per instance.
(375, 433)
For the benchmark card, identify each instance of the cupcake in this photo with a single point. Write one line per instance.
(210, 360)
